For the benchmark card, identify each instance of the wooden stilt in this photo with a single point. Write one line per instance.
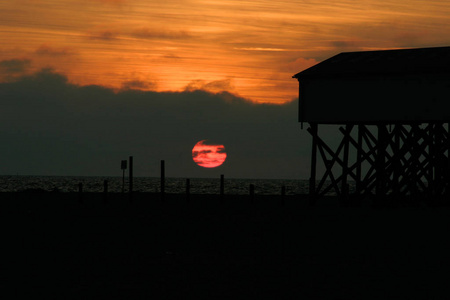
(312, 178)
(344, 188)
(396, 162)
(447, 162)
(359, 152)
(380, 163)
(432, 157)
(407, 160)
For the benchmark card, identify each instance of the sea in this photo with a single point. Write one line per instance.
(16, 183)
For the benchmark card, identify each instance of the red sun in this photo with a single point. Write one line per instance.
(208, 155)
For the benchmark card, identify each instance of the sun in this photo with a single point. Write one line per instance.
(208, 155)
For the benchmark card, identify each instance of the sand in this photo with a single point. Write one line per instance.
(58, 247)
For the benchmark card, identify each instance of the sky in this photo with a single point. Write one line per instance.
(49, 126)
(87, 83)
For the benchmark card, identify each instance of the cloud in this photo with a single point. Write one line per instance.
(113, 2)
(53, 127)
(298, 65)
(212, 86)
(12, 69)
(104, 35)
(15, 66)
(171, 56)
(53, 51)
(147, 33)
(263, 49)
(138, 84)
(346, 45)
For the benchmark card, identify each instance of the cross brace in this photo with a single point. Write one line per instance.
(387, 160)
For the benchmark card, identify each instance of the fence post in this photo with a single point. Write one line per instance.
(283, 194)
(252, 192)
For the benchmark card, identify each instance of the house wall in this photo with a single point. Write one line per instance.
(401, 98)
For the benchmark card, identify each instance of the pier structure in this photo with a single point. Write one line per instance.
(390, 112)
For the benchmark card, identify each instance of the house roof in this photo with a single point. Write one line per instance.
(381, 62)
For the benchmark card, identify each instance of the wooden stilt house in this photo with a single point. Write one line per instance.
(393, 112)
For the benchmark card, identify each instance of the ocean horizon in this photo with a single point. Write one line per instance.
(233, 186)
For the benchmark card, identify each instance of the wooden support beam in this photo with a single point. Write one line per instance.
(346, 142)
(329, 163)
(396, 161)
(359, 160)
(447, 144)
(313, 130)
(380, 162)
(432, 158)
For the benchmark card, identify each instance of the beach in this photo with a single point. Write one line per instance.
(61, 246)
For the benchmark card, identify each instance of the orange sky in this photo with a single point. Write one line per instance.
(249, 48)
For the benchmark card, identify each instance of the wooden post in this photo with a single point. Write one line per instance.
(359, 160)
(344, 187)
(415, 158)
(222, 186)
(188, 189)
(130, 189)
(396, 162)
(447, 162)
(380, 164)
(163, 179)
(438, 162)
(252, 192)
(431, 158)
(312, 179)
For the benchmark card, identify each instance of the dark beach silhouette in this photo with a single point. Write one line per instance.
(103, 245)
(219, 247)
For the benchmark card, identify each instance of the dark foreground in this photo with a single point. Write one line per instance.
(56, 247)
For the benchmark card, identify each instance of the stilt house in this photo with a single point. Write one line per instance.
(393, 108)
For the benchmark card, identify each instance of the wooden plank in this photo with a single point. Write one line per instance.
(359, 161)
